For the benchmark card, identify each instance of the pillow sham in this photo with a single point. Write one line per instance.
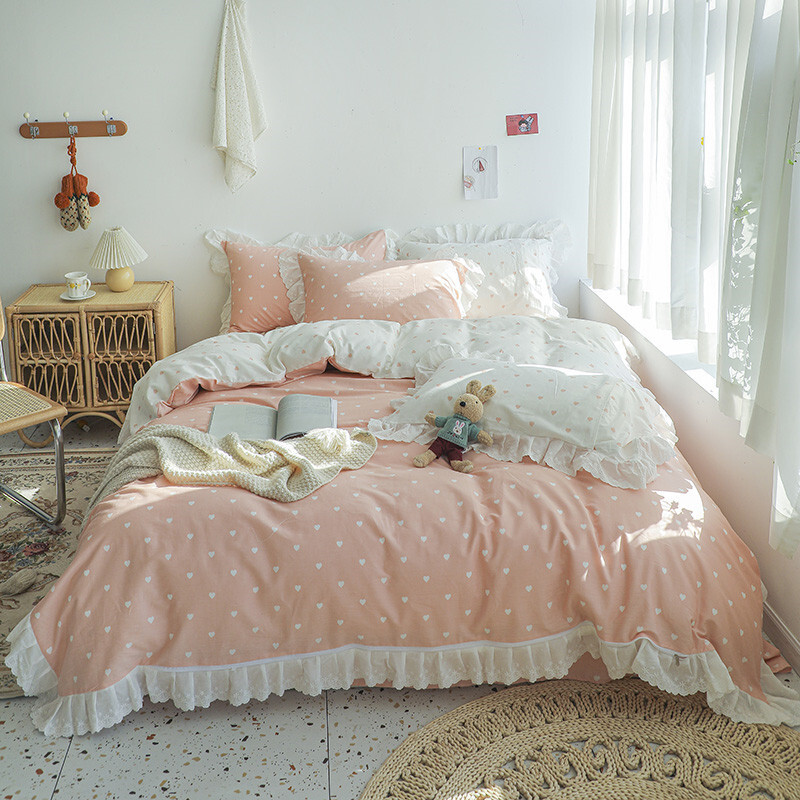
(567, 419)
(399, 291)
(258, 295)
(517, 277)
(375, 246)
(258, 299)
(519, 262)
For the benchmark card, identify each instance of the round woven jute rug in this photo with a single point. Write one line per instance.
(571, 740)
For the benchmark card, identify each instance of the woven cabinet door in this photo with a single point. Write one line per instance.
(47, 356)
(121, 350)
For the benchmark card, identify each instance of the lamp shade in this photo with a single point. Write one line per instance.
(117, 249)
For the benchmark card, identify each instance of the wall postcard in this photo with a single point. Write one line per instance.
(518, 124)
(480, 172)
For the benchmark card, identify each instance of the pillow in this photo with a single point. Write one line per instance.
(518, 261)
(375, 246)
(400, 291)
(554, 230)
(259, 301)
(517, 277)
(566, 419)
(258, 295)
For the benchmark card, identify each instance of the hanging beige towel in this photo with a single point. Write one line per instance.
(239, 116)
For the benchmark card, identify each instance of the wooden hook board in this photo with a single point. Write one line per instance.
(63, 130)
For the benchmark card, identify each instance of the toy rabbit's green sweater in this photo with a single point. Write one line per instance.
(457, 429)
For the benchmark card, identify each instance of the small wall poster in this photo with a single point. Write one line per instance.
(517, 124)
(480, 172)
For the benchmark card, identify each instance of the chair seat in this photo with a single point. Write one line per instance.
(21, 407)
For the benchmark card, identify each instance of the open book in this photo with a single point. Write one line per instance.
(296, 415)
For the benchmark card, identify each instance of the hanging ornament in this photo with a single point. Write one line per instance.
(73, 200)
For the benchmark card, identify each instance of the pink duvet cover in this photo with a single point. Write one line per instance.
(392, 574)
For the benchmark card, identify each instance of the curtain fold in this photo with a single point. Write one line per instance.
(604, 176)
(667, 75)
(694, 113)
(757, 367)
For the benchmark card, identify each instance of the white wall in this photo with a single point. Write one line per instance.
(738, 479)
(369, 104)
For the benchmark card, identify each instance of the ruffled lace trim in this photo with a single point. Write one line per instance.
(639, 468)
(642, 456)
(219, 265)
(292, 277)
(219, 258)
(391, 244)
(554, 230)
(481, 663)
(26, 661)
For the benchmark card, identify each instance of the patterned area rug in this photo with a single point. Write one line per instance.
(32, 555)
(572, 740)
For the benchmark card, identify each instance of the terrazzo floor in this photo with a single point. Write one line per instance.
(316, 748)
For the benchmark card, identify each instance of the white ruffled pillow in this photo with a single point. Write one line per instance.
(566, 419)
(519, 262)
(517, 277)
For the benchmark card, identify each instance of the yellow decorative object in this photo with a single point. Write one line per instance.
(117, 251)
(120, 280)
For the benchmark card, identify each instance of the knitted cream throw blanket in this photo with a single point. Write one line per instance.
(283, 471)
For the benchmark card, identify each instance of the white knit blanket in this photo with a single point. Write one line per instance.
(283, 471)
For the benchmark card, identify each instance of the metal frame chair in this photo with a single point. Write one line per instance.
(21, 407)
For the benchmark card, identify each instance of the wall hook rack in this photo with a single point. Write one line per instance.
(108, 126)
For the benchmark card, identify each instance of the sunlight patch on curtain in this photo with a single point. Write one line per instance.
(694, 118)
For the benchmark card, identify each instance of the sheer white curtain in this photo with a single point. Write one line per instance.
(668, 82)
(694, 113)
(758, 368)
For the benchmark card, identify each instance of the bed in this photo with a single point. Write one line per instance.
(588, 552)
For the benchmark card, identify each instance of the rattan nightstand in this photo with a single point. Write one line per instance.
(88, 354)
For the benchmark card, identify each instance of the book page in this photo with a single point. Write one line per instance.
(300, 413)
(248, 420)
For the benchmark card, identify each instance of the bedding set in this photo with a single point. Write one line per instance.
(580, 545)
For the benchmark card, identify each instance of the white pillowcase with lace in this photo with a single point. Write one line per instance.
(517, 277)
(519, 263)
(568, 419)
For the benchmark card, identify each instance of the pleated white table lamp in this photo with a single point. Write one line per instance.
(117, 251)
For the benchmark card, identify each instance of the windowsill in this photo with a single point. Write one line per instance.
(682, 352)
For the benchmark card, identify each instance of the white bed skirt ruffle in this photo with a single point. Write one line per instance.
(481, 663)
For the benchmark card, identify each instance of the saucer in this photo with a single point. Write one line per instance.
(90, 293)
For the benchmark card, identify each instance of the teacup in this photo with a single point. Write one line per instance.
(78, 284)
